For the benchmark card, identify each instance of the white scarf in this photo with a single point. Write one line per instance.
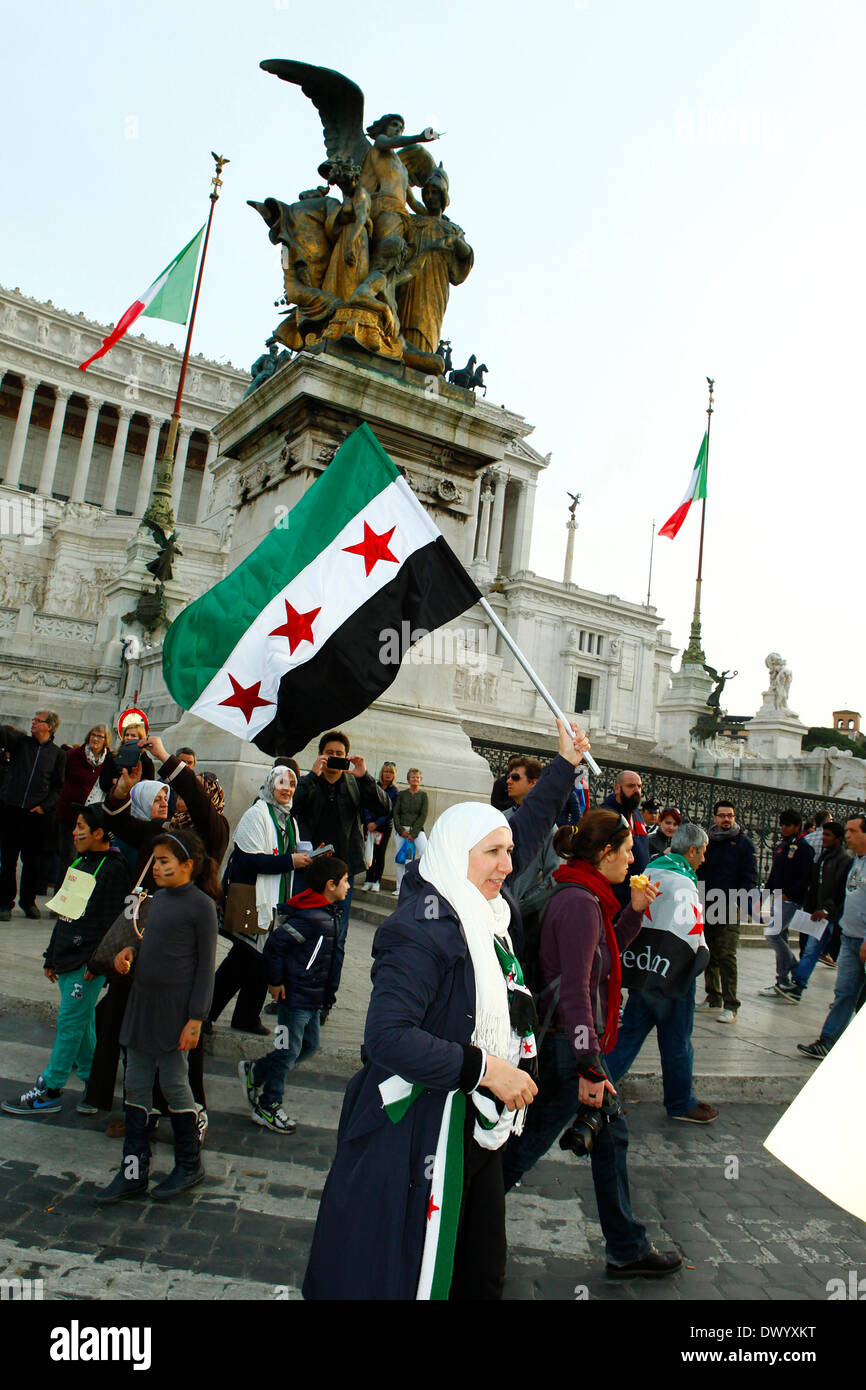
(256, 834)
(444, 864)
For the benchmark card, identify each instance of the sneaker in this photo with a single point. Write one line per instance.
(32, 911)
(365, 887)
(396, 893)
(250, 1089)
(84, 1109)
(273, 1117)
(270, 1008)
(201, 1123)
(653, 1265)
(37, 1101)
(707, 1007)
(817, 1050)
(791, 993)
(374, 887)
(825, 960)
(702, 1114)
(727, 1016)
(768, 992)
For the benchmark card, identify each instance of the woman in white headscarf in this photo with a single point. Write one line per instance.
(414, 1206)
(265, 855)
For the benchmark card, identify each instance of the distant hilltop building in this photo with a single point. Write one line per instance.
(847, 721)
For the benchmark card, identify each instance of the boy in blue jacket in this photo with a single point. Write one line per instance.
(299, 958)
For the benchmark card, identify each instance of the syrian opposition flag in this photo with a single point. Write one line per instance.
(167, 298)
(311, 627)
(696, 489)
(669, 951)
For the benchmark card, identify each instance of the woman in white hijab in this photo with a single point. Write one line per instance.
(263, 861)
(414, 1206)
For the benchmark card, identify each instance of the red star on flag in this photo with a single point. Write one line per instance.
(647, 914)
(431, 1207)
(527, 1048)
(247, 700)
(698, 928)
(373, 547)
(298, 627)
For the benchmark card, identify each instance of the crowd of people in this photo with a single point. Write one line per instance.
(497, 1022)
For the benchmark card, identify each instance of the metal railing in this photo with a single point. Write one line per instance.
(695, 795)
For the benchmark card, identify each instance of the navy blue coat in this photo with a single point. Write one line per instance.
(640, 849)
(369, 1236)
(299, 953)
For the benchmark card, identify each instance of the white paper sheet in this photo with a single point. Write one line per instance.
(822, 1135)
(802, 922)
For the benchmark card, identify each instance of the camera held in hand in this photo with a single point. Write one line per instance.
(582, 1135)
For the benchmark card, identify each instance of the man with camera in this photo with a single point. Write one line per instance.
(30, 792)
(332, 805)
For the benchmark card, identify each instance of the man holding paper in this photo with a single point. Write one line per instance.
(852, 954)
(821, 908)
(789, 876)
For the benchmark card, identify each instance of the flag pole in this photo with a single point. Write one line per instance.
(536, 681)
(160, 513)
(694, 652)
(649, 582)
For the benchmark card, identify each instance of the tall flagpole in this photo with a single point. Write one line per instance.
(160, 513)
(649, 583)
(694, 652)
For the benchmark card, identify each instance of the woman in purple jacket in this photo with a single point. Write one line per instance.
(582, 936)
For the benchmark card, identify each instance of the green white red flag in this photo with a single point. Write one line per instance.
(167, 298)
(696, 489)
(311, 627)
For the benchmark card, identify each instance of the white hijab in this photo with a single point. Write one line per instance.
(444, 864)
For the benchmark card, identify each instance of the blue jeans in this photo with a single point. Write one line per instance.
(808, 960)
(550, 1113)
(299, 1030)
(342, 931)
(785, 958)
(673, 1018)
(850, 974)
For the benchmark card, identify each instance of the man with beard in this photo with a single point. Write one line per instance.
(625, 798)
(729, 868)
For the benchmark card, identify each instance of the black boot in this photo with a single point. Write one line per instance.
(131, 1180)
(188, 1169)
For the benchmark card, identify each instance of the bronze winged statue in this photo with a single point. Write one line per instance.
(345, 262)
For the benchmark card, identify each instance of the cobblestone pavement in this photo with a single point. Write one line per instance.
(748, 1228)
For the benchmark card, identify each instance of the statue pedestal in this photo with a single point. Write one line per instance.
(775, 733)
(679, 710)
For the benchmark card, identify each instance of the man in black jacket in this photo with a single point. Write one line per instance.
(824, 901)
(790, 877)
(332, 806)
(73, 941)
(30, 792)
(729, 869)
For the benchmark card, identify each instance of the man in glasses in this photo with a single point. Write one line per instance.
(31, 788)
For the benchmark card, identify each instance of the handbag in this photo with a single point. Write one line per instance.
(240, 914)
(406, 852)
(127, 929)
(370, 844)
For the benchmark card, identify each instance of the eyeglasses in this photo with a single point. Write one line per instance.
(514, 776)
(623, 825)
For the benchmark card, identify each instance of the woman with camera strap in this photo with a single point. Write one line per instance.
(582, 935)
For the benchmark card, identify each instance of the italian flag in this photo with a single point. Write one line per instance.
(167, 298)
(311, 627)
(696, 489)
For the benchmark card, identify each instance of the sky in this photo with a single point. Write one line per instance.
(655, 194)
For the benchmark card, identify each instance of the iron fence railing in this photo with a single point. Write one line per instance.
(694, 795)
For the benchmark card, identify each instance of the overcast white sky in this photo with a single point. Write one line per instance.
(655, 193)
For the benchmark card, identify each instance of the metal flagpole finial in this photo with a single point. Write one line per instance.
(220, 160)
(711, 383)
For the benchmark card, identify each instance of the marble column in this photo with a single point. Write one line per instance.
(145, 481)
(484, 528)
(571, 526)
(55, 434)
(206, 493)
(180, 453)
(518, 548)
(115, 468)
(22, 424)
(85, 453)
(494, 544)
